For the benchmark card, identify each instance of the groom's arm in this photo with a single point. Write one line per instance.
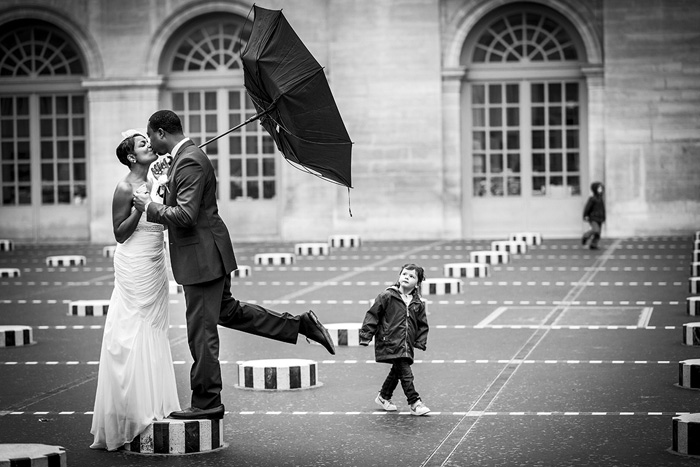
(189, 186)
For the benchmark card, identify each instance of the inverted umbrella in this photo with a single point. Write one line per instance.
(293, 100)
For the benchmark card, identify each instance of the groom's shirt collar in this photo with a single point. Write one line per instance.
(178, 146)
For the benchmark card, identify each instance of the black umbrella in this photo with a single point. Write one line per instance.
(293, 100)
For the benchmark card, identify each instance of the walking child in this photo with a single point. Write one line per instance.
(594, 214)
(397, 321)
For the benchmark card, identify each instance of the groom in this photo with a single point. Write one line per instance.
(202, 258)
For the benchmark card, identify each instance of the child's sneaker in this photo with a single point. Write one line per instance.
(385, 404)
(419, 408)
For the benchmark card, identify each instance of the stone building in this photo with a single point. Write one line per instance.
(470, 118)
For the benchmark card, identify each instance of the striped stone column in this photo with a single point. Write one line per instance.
(242, 271)
(344, 241)
(696, 256)
(174, 288)
(510, 246)
(441, 286)
(65, 260)
(530, 238)
(691, 334)
(108, 251)
(6, 245)
(489, 257)
(179, 437)
(88, 308)
(693, 306)
(312, 249)
(9, 272)
(466, 270)
(345, 334)
(16, 336)
(694, 283)
(278, 374)
(274, 259)
(686, 434)
(689, 374)
(694, 269)
(28, 454)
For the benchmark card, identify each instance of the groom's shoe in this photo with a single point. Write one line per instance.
(194, 413)
(312, 328)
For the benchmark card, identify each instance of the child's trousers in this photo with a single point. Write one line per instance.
(593, 234)
(400, 371)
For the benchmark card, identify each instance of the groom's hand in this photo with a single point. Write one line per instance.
(141, 200)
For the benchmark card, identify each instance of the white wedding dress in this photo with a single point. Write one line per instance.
(136, 380)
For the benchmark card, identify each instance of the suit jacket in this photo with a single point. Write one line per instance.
(200, 245)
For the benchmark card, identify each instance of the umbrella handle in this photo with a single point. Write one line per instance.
(251, 119)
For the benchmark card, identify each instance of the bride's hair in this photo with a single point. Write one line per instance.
(125, 148)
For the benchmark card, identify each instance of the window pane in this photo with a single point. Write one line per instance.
(574, 185)
(538, 162)
(234, 120)
(61, 105)
(496, 161)
(194, 125)
(23, 173)
(538, 116)
(210, 123)
(251, 167)
(538, 139)
(479, 163)
(79, 171)
(234, 100)
(572, 162)
(236, 167)
(495, 94)
(47, 172)
(251, 143)
(78, 127)
(479, 186)
(7, 129)
(46, 150)
(193, 101)
(45, 105)
(539, 186)
(63, 172)
(62, 151)
(8, 195)
(495, 117)
(25, 195)
(572, 92)
(512, 116)
(79, 149)
(23, 150)
(478, 94)
(268, 167)
(554, 92)
(62, 126)
(514, 186)
(555, 139)
(22, 106)
(572, 139)
(495, 140)
(537, 92)
(497, 186)
(210, 101)
(23, 128)
(47, 195)
(46, 127)
(478, 117)
(556, 162)
(268, 189)
(512, 93)
(268, 145)
(555, 116)
(7, 150)
(513, 139)
(572, 115)
(178, 102)
(78, 103)
(235, 145)
(252, 190)
(479, 140)
(64, 194)
(236, 189)
(514, 163)
(8, 173)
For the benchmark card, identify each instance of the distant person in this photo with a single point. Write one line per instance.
(202, 258)
(135, 382)
(594, 214)
(397, 321)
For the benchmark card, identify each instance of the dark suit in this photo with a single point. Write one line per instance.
(202, 258)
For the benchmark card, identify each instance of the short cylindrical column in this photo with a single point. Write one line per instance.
(441, 286)
(39, 455)
(179, 437)
(689, 374)
(108, 251)
(693, 306)
(88, 308)
(345, 334)
(531, 238)
(9, 272)
(691, 334)
(15, 336)
(65, 260)
(242, 271)
(686, 434)
(466, 270)
(274, 259)
(694, 269)
(510, 246)
(489, 257)
(344, 241)
(694, 283)
(278, 374)
(312, 249)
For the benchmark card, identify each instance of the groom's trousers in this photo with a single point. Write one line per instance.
(210, 304)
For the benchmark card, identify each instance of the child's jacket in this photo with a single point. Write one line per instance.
(396, 328)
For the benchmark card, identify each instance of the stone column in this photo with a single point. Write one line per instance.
(452, 153)
(113, 106)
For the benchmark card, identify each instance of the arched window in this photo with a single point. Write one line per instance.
(524, 37)
(42, 124)
(205, 76)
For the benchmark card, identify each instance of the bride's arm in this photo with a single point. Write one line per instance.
(124, 219)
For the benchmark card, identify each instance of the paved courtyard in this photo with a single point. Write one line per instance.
(563, 356)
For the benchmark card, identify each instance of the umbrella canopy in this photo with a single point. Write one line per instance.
(293, 100)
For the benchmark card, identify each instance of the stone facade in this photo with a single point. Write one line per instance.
(396, 73)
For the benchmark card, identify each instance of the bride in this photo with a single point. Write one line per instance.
(136, 381)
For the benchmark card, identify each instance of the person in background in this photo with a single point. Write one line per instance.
(594, 214)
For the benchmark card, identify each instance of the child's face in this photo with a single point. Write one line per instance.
(408, 279)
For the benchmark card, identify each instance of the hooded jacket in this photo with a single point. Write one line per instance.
(395, 327)
(595, 207)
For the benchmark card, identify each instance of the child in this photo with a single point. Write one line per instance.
(594, 214)
(398, 323)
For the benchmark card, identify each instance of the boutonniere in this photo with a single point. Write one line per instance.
(160, 173)
(163, 185)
